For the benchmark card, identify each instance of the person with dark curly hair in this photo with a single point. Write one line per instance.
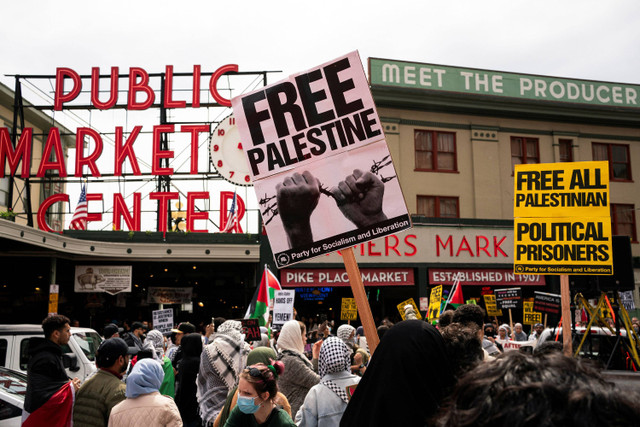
(551, 390)
(463, 345)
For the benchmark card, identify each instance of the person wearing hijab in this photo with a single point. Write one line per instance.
(221, 363)
(326, 401)
(299, 375)
(266, 356)
(155, 339)
(405, 381)
(144, 404)
(186, 380)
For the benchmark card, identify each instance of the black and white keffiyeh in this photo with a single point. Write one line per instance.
(334, 357)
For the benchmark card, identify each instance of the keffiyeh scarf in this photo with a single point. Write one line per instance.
(334, 357)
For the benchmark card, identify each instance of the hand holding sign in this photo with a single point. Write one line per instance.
(359, 198)
(297, 197)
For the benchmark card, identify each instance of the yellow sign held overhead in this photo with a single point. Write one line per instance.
(492, 306)
(561, 219)
(349, 309)
(530, 317)
(435, 302)
(410, 301)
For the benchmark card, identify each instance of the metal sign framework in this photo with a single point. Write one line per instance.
(163, 182)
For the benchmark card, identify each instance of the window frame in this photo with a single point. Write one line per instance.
(610, 159)
(434, 151)
(614, 220)
(436, 205)
(523, 147)
(570, 150)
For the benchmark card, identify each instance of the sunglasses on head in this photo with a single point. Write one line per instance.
(254, 372)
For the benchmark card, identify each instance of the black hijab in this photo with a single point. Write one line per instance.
(409, 374)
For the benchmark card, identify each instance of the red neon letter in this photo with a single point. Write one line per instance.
(163, 201)
(225, 197)
(482, 248)
(91, 197)
(497, 248)
(439, 243)
(370, 246)
(213, 83)
(42, 212)
(168, 89)
(22, 152)
(90, 160)
(158, 153)
(192, 215)
(95, 88)
(408, 243)
(120, 210)
(135, 87)
(121, 152)
(394, 247)
(195, 130)
(60, 97)
(195, 97)
(53, 143)
(464, 246)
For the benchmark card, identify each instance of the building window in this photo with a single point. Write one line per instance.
(438, 207)
(624, 220)
(566, 150)
(618, 157)
(4, 192)
(435, 151)
(524, 150)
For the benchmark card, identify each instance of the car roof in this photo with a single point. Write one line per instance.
(23, 329)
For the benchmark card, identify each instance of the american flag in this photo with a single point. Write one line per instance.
(79, 220)
(232, 219)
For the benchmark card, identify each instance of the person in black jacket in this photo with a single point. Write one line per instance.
(188, 368)
(45, 371)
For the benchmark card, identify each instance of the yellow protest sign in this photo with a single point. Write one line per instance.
(349, 309)
(491, 305)
(53, 299)
(415, 308)
(530, 317)
(561, 219)
(435, 302)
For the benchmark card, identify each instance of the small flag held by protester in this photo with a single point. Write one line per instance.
(232, 219)
(79, 220)
(262, 300)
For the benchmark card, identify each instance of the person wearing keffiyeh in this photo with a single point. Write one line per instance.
(326, 401)
(155, 342)
(221, 363)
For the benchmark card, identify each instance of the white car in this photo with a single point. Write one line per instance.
(79, 353)
(13, 388)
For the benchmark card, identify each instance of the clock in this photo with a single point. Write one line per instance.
(226, 154)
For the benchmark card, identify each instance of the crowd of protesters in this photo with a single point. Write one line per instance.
(316, 373)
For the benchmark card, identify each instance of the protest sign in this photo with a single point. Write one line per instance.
(102, 278)
(424, 303)
(509, 345)
(410, 301)
(436, 302)
(349, 309)
(283, 307)
(54, 291)
(251, 329)
(547, 303)
(626, 299)
(562, 221)
(491, 305)
(319, 161)
(508, 298)
(530, 317)
(162, 320)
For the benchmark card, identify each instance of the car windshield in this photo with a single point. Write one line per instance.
(13, 383)
(88, 342)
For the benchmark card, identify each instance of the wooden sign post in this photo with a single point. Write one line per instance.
(357, 287)
(566, 315)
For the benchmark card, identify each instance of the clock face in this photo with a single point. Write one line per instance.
(225, 151)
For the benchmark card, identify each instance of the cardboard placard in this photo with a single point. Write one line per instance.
(436, 302)
(509, 298)
(162, 320)
(491, 305)
(283, 307)
(410, 301)
(319, 161)
(547, 303)
(251, 329)
(349, 309)
(530, 317)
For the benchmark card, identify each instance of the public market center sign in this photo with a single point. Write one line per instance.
(562, 222)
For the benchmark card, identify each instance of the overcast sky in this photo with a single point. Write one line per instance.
(596, 40)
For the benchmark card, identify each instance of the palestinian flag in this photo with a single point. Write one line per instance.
(55, 412)
(455, 297)
(263, 298)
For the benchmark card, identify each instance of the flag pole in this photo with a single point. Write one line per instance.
(357, 287)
